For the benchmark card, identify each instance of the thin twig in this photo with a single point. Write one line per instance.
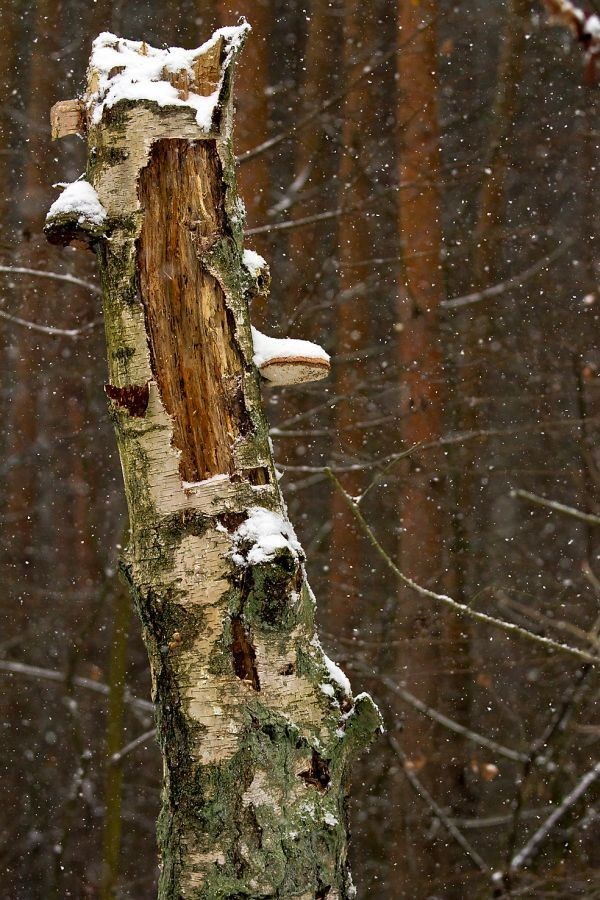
(297, 223)
(496, 290)
(301, 122)
(50, 329)
(132, 745)
(446, 441)
(461, 609)
(56, 276)
(534, 843)
(555, 726)
(496, 821)
(504, 600)
(590, 576)
(451, 725)
(557, 507)
(436, 809)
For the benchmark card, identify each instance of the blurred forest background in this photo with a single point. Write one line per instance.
(423, 179)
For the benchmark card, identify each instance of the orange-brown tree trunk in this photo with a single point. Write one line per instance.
(252, 109)
(352, 321)
(427, 633)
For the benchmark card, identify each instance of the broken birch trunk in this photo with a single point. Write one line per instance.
(256, 725)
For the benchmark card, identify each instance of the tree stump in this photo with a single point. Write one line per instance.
(256, 725)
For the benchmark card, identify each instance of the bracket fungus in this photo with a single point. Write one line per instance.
(284, 361)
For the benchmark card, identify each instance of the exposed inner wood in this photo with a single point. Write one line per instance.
(195, 361)
(207, 73)
(207, 69)
(244, 654)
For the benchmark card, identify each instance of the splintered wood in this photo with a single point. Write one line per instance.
(195, 360)
(207, 72)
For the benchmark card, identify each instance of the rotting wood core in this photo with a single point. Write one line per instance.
(195, 360)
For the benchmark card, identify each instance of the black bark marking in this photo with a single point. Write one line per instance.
(318, 774)
(134, 398)
(232, 520)
(244, 654)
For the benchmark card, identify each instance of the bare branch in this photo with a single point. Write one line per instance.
(504, 600)
(557, 507)
(50, 329)
(388, 462)
(27, 671)
(496, 290)
(461, 609)
(300, 123)
(451, 725)
(56, 276)
(534, 843)
(297, 223)
(437, 810)
(132, 745)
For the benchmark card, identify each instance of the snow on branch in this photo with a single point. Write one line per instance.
(76, 214)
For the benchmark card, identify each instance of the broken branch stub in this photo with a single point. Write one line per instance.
(247, 703)
(67, 117)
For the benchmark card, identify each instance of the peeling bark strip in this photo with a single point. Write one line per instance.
(256, 726)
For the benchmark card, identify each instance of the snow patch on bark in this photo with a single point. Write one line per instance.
(254, 262)
(267, 533)
(78, 198)
(333, 670)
